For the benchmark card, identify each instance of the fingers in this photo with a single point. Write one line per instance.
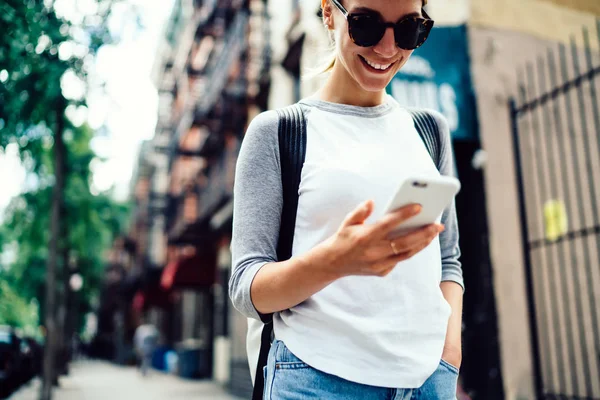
(406, 243)
(405, 247)
(383, 268)
(359, 214)
(412, 252)
(390, 221)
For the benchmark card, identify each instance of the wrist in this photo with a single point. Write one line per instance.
(452, 354)
(321, 261)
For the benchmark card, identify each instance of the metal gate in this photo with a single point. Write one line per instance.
(556, 136)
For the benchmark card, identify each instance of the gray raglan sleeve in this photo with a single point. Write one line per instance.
(451, 266)
(257, 205)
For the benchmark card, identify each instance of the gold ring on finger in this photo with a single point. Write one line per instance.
(393, 246)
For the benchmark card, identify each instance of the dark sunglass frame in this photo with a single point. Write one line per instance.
(425, 23)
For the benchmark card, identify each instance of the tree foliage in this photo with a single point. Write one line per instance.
(38, 49)
(17, 311)
(30, 66)
(91, 222)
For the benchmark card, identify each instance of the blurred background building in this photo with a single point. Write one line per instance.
(532, 279)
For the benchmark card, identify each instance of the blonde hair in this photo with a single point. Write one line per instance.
(330, 62)
(327, 56)
(328, 66)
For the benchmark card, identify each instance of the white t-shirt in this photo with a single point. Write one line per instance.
(386, 332)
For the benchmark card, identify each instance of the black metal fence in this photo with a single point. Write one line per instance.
(556, 128)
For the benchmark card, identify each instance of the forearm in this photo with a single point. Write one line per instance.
(283, 285)
(453, 293)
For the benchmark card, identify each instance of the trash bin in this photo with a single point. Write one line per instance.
(193, 359)
(158, 358)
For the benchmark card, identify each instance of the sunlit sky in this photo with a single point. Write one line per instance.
(127, 106)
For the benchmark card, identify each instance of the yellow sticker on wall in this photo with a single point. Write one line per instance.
(555, 218)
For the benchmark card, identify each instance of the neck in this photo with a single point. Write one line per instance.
(340, 87)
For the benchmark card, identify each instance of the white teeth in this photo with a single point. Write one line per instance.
(378, 66)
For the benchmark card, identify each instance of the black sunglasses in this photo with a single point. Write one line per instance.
(366, 29)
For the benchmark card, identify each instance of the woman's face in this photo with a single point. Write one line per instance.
(384, 54)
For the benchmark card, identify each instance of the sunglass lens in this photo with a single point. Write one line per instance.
(411, 33)
(366, 30)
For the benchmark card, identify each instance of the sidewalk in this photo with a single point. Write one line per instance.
(93, 380)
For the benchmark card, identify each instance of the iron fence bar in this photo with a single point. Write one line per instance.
(594, 230)
(569, 206)
(539, 284)
(533, 325)
(593, 94)
(571, 130)
(594, 202)
(569, 203)
(595, 105)
(544, 268)
(559, 396)
(596, 112)
(563, 89)
(561, 266)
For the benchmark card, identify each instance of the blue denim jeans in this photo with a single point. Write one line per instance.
(289, 378)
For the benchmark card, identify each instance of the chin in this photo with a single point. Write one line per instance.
(374, 84)
(370, 86)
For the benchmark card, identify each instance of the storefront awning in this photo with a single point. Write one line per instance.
(193, 272)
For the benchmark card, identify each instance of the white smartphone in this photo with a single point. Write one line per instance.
(434, 194)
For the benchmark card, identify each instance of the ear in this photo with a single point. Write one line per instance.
(327, 14)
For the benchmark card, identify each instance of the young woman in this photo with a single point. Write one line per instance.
(356, 316)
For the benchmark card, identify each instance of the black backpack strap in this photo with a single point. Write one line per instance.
(429, 132)
(292, 152)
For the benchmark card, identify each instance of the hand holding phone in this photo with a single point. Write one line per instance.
(434, 194)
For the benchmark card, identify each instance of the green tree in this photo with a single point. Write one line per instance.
(32, 99)
(16, 311)
(91, 221)
(36, 54)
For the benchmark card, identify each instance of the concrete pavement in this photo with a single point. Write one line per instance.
(93, 380)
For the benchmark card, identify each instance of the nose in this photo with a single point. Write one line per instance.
(387, 45)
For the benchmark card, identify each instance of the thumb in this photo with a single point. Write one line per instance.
(359, 214)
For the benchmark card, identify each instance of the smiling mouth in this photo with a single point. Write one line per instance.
(378, 68)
